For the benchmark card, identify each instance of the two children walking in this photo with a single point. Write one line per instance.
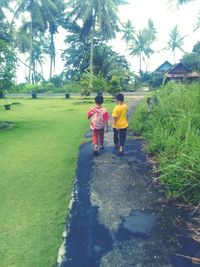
(99, 123)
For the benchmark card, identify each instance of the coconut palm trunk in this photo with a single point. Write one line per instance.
(31, 46)
(52, 57)
(92, 54)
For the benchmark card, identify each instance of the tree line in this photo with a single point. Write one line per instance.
(89, 25)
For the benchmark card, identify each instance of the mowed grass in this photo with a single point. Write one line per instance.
(37, 165)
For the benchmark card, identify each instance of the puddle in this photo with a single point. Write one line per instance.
(138, 224)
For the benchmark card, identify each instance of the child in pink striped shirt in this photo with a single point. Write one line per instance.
(99, 121)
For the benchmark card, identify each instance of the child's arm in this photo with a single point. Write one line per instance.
(90, 113)
(106, 118)
(115, 122)
(106, 126)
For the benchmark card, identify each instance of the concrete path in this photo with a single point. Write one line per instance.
(118, 217)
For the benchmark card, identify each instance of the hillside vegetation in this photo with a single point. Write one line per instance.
(172, 131)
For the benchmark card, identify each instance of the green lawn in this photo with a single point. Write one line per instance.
(37, 165)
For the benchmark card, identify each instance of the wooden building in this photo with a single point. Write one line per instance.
(162, 68)
(180, 72)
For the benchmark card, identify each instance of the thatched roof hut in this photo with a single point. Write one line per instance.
(181, 72)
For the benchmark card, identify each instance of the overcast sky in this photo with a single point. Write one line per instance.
(165, 16)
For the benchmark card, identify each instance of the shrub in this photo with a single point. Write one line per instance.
(114, 87)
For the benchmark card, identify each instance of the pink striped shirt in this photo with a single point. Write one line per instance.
(98, 116)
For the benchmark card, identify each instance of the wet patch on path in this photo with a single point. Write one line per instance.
(87, 239)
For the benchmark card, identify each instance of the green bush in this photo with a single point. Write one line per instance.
(114, 87)
(99, 84)
(172, 131)
(48, 87)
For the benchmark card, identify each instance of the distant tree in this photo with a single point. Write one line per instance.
(197, 26)
(37, 22)
(176, 41)
(7, 55)
(192, 61)
(96, 15)
(76, 54)
(138, 46)
(7, 66)
(84, 82)
(114, 86)
(4, 4)
(54, 17)
(128, 32)
(150, 36)
(181, 2)
(107, 61)
(196, 47)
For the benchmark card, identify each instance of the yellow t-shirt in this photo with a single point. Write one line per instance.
(119, 112)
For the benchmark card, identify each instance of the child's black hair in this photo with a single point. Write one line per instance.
(99, 99)
(120, 97)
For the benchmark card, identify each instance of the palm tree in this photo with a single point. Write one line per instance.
(138, 46)
(4, 4)
(128, 32)
(175, 41)
(54, 19)
(150, 36)
(22, 42)
(198, 23)
(181, 2)
(95, 14)
(37, 20)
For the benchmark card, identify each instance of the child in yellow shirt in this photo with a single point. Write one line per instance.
(120, 123)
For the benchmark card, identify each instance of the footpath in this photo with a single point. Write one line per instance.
(118, 217)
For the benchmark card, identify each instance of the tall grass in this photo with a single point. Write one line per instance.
(172, 131)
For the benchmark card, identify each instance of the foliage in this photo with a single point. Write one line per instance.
(43, 16)
(142, 41)
(57, 80)
(156, 81)
(107, 62)
(7, 66)
(114, 86)
(75, 55)
(85, 82)
(192, 61)
(96, 17)
(72, 87)
(176, 40)
(172, 129)
(196, 47)
(99, 84)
